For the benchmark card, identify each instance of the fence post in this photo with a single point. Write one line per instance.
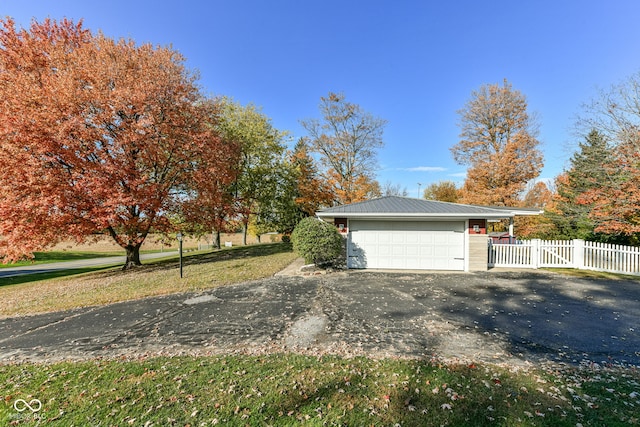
(535, 253)
(578, 253)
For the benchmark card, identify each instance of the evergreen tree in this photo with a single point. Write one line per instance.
(588, 170)
(302, 191)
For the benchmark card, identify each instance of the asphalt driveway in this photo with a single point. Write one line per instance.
(501, 317)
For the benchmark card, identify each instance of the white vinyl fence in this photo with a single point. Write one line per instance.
(566, 253)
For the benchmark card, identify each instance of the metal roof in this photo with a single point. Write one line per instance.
(395, 206)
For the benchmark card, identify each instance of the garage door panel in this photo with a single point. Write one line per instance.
(427, 251)
(398, 251)
(384, 238)
(414, 238)
(425, 238)
(413, 251)
(406, 245)
(398, 238)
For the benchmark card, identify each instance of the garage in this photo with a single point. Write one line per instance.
(404, 233)
(414, 245)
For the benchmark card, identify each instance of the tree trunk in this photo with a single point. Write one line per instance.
(244, 234)
(133, 257)
(216, 239)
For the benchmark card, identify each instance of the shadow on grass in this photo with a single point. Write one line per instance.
(225, 254)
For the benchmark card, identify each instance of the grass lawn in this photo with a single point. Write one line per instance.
(291, 390)
(26, 295)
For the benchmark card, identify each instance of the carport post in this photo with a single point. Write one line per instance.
(179, 237)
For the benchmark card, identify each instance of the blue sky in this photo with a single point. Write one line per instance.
(413, 63)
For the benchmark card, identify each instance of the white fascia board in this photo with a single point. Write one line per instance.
(526, 213)
(415, 215)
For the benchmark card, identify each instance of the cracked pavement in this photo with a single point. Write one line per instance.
(499, 317)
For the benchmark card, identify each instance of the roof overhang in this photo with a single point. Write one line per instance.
(414, 216)
(519, 211)
(404, 208)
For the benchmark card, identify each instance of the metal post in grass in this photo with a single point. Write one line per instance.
(179, 237)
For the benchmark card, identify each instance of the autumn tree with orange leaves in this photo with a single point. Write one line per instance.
(538, 226)
(614, 197)
(347, 139)
(499, 144)
(302, 192)
(312, 193)
(615, 202)
(96, 136)
(443, 191)
(211, 204)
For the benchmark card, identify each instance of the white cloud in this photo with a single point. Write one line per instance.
(424, 169)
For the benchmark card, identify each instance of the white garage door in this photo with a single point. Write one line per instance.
(406, 245)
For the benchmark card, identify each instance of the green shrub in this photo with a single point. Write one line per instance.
(318, 242)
